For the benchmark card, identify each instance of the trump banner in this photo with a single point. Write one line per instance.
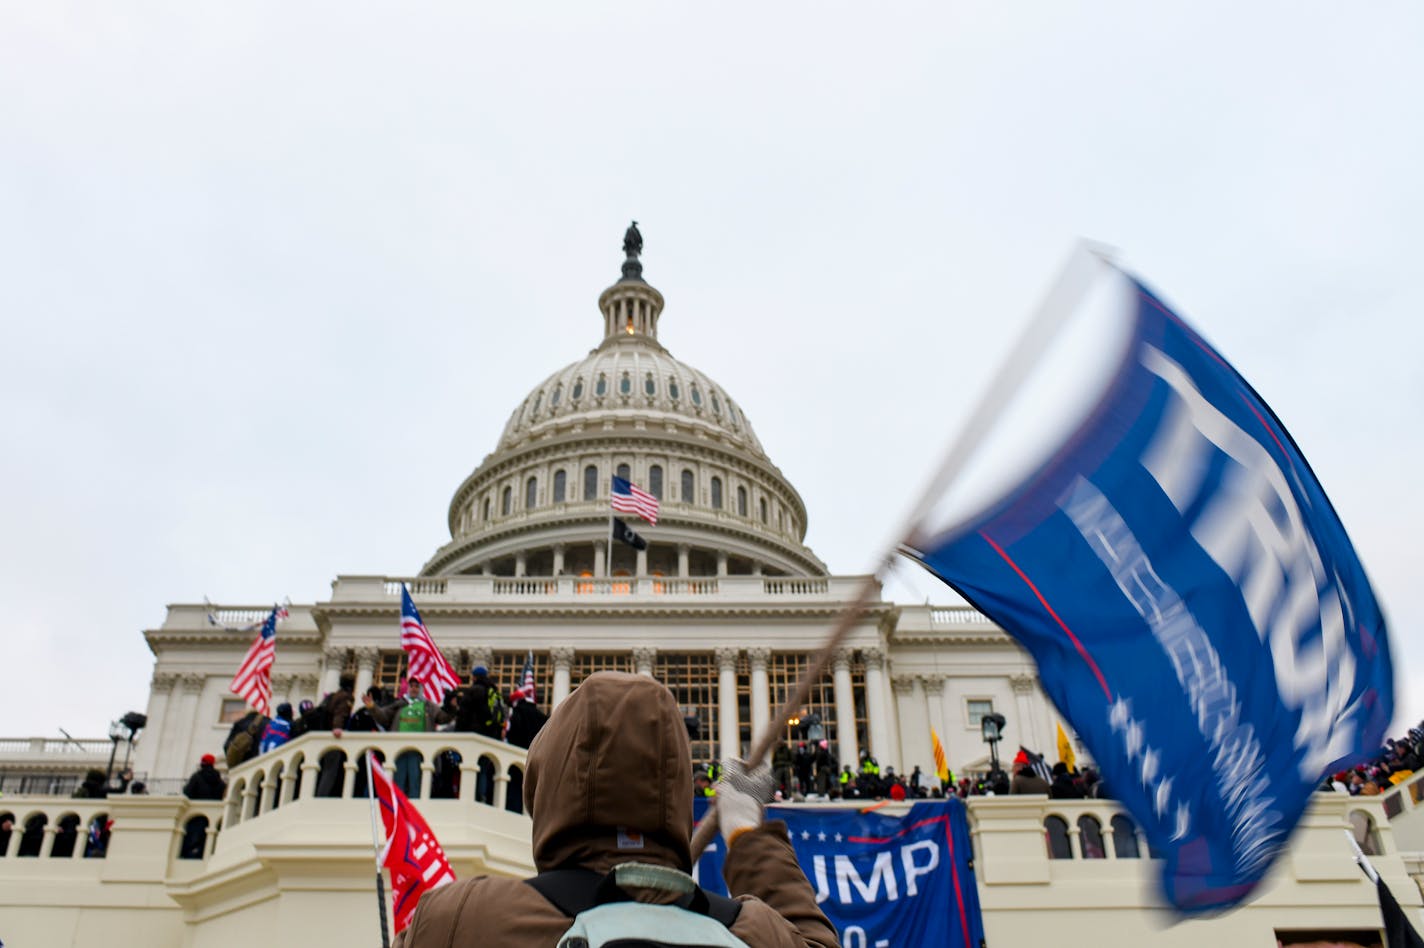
(1195, 607)
(411, 852)
(884, 881)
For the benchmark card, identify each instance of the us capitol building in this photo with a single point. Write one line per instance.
(725, 606)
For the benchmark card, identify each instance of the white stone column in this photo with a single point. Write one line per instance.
(562, 657)
(682, 555)
(366, 658)
(521, 563)
(906, 714)
(158, 732)
(728, 727)
(559, 559)
(761, 690)
(641, 567)
(643, 658)
(600, 567)
(721, 562)
(181, 758)
(877, 712)
(849, 744)
(331, 675)
(1026, 725)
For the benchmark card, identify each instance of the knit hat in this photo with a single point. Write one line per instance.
(207, 760)
(480, 671)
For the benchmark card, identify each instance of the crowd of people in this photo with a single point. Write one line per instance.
(1396, 763)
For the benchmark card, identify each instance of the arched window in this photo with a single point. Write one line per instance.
(590, 483)
(687, 486)
(696, 396)
(625, 472)
(538, 400)
(33, 836)
(1124, 837)
(96, 837)
(561, 484)
(531, 493)
(577, 392)
(650, 387)
(1055, 830)
(487, 509)
(716, 405)
(1090, 837)
(1363, 829)
(741, 501)
(65, 837)
(762, 506)
(655, 481)
(558, 394)
(625, 385)
(506, 499)
(600, 388)
(672, 388)
(716, 493)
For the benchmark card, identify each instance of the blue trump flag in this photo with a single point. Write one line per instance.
(881, 880)
(1193, 602)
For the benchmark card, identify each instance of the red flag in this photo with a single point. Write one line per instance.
(412, 854)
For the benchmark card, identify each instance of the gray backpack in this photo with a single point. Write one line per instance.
(604, 914)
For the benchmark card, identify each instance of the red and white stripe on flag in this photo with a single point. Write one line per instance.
(412, 854)
(253, 681)
(426, 664)
(627, 497)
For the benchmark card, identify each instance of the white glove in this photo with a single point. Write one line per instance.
(742, 795)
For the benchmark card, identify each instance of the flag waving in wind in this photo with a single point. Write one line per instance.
(1198, 614)
(253, 681)
(628, 497)
(427, 665)
(412, 854)
(525, 691)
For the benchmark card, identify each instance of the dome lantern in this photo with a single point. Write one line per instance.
(631, 307)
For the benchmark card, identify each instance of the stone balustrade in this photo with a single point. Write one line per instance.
(25, 747)
(147, 829)
(323, 765)
(366, 589)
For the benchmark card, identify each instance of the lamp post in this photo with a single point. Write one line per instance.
(116, 734)
(991, 726)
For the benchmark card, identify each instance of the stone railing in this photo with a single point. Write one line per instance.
(126, 827)
(965, 615)
(45, 746)
(321, 765)
(581, 588)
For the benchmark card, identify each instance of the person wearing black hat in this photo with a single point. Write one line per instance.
(480, 710)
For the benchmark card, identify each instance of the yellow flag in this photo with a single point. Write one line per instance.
(941, 765)
(1065, 750)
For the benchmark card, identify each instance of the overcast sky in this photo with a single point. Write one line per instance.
(275, 274)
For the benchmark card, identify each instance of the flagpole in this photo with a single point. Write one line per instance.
(1032, 343)
(376, 837)
(608, 568)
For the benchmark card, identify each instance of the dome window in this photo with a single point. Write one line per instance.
(687, 486)
(732, 414)
(558, 394)
(600, 388)
(696, 396)
(590, 483)
(672, 389)
(487, 509)
(625, 472)
(577, 392)
(561, 485)
(762, 504)
(538, 400)
(625, 385)
(716, 405)
(655, 481)
(649, 386)
(531, 493)
(741, 501)
(505, 500)
(716, 493)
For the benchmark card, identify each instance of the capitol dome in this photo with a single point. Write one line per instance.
(539, 504)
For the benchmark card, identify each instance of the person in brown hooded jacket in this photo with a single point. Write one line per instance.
(609, 781)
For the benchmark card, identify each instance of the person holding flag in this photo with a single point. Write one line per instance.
(253, 681)
(425, 662)
(406, 848)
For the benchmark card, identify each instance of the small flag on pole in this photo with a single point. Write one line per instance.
(427, 665)
(625, 534)
(253, 681)
(941, 763)
(525, 691)
(1036, 763)
(1065, 750)
(412, 853)
(628, 497)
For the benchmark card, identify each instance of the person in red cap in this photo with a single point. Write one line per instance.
(205, 784)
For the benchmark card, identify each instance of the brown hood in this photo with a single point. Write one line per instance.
(613, 764)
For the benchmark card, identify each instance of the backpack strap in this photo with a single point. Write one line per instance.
(574, 891)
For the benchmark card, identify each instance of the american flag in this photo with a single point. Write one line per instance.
(427, 665)
(630, 498)
(253, 681)
(412, 853)
(525, 691)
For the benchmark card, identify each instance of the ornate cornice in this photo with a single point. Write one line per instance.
(841, 659)
(1023, 684)
(600, 611)
(933, 686)
(874, 657)
(758, 657)
(163, 681)
(644, 656)
(726, 657)
(903, 684)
